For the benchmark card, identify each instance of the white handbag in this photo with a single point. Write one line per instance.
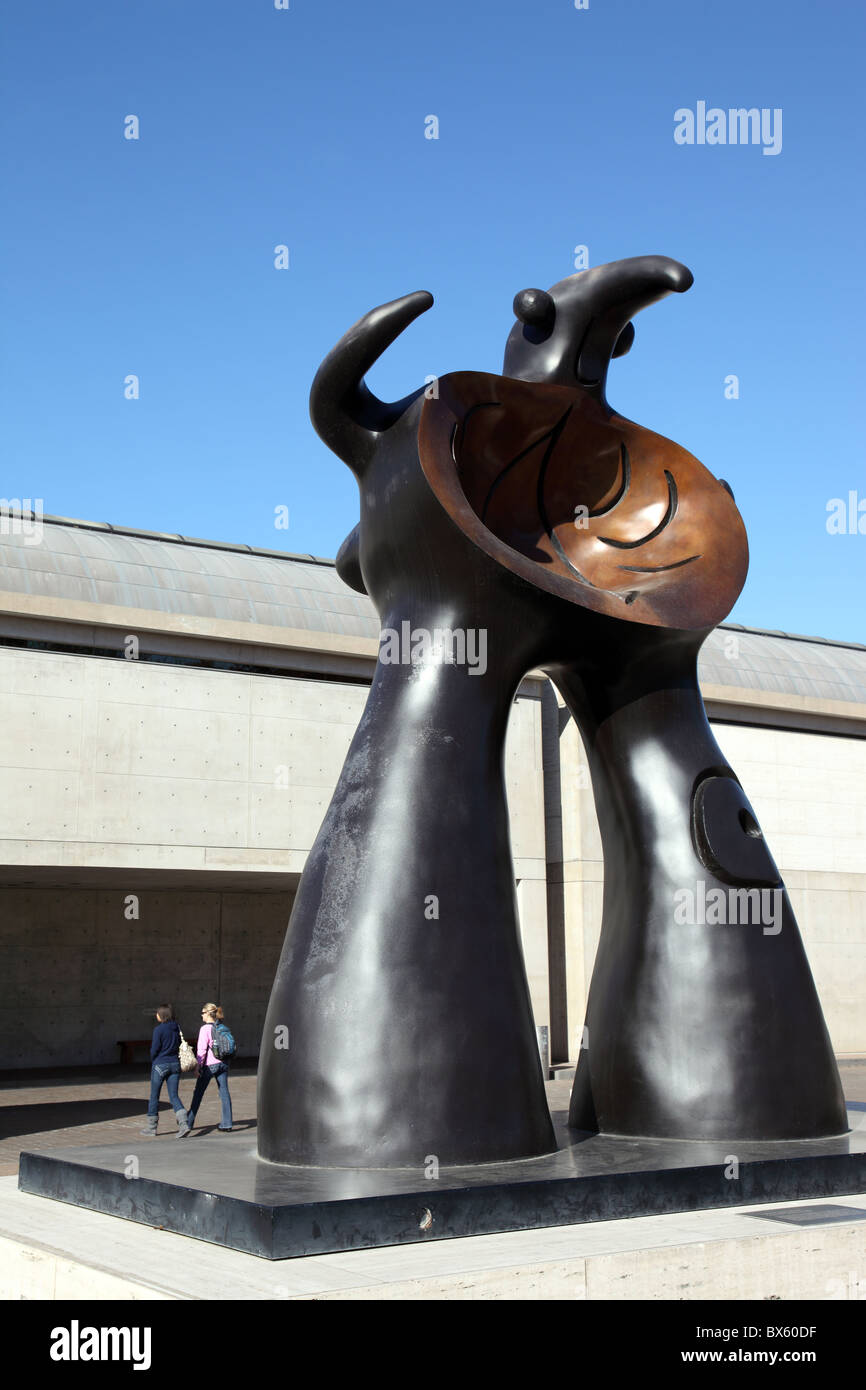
(186, 1054)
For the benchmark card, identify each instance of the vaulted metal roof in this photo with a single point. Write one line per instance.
(165, 573)
(784, 664)
(162, 572)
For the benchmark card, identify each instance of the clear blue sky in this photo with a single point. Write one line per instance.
(306, 127)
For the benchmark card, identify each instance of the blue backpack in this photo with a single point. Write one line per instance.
(222, 1042)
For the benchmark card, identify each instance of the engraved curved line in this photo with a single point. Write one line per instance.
(657, 530)
(461, 427)
(657, 569)
(552, 434)
(623, 487)
(539, 497)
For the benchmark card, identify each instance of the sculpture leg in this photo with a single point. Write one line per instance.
(401, 989)
(703, 1019)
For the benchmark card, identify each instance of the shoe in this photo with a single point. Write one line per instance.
(152, 1122)
(225, 1129)
(190, 1121)
(183, 1124)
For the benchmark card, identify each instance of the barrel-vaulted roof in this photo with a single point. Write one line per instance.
(113, 566)
(165, 573)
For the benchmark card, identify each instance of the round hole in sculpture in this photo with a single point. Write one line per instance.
(750, 825)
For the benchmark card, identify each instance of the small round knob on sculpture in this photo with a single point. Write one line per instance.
(535, 308)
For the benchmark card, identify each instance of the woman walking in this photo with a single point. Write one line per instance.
(165, 1067)
(210, 1065)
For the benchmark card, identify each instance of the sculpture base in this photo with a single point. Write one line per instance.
(215, 1188)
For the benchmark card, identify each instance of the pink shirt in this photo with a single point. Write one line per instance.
(204, 1052)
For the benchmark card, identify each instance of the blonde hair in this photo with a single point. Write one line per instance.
(214, 1010)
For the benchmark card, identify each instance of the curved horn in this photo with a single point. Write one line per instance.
(616, 296)
(590, 321)
(344, 412)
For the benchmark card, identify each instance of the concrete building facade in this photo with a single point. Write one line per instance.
(175, 714)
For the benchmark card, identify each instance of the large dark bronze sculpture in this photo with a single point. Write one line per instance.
(522, 506)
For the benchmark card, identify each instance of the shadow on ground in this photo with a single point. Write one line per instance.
(17, 1120)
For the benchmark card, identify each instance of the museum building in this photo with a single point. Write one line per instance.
(175, 716)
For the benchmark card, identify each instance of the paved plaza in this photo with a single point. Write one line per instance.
(107, 1105)
(103, 1105)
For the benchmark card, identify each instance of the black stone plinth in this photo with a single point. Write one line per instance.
(215, 1188)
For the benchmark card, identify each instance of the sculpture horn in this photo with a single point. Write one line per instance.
(346, 415)
(619, 291)
(588, 321)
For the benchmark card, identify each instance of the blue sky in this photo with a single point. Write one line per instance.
(305, 127)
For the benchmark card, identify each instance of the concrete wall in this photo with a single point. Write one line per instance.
(79, 975)
(133, 763)
(131, 767)
(109, 763)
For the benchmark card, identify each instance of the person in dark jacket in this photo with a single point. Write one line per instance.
(165, 1066)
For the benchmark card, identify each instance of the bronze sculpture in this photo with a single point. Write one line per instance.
(523, 505)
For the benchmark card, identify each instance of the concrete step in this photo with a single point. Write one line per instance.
(49, 1250)
(561, 1071)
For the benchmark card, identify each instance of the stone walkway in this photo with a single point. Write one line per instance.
(106, 1105)
(103, 1105)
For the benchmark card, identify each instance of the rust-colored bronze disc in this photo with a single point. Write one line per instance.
(583, 502)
